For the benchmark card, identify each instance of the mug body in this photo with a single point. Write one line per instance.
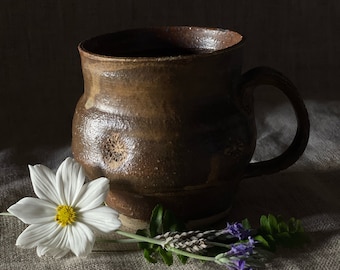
(159, 119)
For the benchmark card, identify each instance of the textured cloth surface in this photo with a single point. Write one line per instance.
(41, 81)
(308, 190)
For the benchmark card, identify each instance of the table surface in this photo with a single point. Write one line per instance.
(308, 190)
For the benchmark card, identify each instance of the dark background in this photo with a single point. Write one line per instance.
(40, 75)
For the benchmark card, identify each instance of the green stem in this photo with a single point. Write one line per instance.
(191, 255)
(216, 244)
(140, 238)
(6, 214)
(123, 241)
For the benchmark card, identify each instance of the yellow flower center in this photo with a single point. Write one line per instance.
(65, 215)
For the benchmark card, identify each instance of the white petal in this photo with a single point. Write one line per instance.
(33, 210)
(70, 179)
(81, 239)
(44, 183)
(38, 235)
(93, 194)
(60, 241)
(53, 252)
(103, 219)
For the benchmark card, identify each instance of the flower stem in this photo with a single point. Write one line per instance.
(190, 255)
(216, 244)
(123, 241)
(140, 238)
(6, 214)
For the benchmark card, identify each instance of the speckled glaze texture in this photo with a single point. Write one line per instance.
(167, 116)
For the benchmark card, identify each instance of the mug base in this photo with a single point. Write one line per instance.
(133, 224)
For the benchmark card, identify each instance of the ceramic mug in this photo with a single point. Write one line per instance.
(167, 116)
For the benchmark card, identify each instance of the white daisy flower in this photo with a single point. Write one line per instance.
(66, 213)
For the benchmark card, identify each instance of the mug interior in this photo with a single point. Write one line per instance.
(161, 42)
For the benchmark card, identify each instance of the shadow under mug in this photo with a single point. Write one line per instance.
(167, 116)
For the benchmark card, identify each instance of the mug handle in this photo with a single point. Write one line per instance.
(268, 76)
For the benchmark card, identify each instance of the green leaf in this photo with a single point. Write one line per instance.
(246, 224)
(183, 259)
(265, 225)
(171, 223)
(166, 256)
(295, 225)
(282, 227)
(272, 223)
(156, 221)
(262, 241)
(148, 256)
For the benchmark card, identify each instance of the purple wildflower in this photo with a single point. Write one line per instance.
(236, 258)
(236, 229)
(239, 265)
(242, 249)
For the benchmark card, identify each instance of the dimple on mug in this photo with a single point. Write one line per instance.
(167, 116)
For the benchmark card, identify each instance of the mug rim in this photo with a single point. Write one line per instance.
(238, 41)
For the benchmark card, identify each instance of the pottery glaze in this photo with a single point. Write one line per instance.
(167, 117)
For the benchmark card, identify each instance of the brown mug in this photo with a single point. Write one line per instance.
(167, 116)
